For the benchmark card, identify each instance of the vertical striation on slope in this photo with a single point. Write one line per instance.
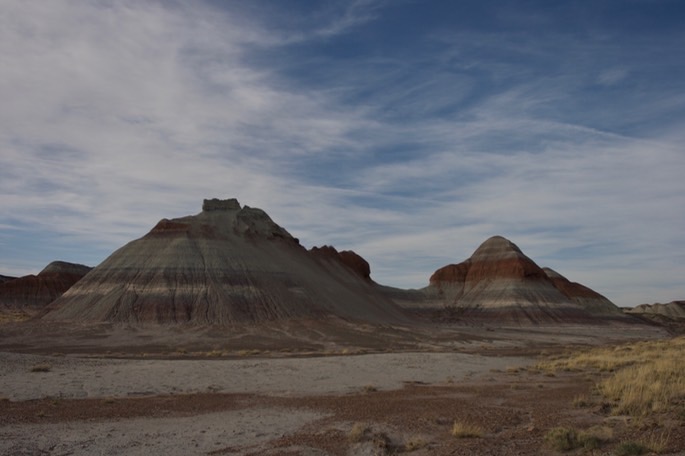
(226, 265)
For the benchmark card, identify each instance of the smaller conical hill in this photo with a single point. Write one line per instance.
(499, 282)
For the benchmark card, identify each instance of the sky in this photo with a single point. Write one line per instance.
(407, 131)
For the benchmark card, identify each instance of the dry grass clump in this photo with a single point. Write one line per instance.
(630, 449)
(463, 430)
(13, 317)
(362, 434)
(41, 368)
(369, 388)
(567, 439)
(646, 377)
(415, 443)
(358, 432)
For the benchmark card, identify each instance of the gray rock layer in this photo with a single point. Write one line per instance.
(224, 266)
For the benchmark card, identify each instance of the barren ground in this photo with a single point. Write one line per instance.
(303, 391)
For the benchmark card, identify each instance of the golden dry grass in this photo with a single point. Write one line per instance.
(462, 430)
(644, 377)
(13, 317)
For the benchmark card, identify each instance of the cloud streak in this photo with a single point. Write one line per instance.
(118, 114)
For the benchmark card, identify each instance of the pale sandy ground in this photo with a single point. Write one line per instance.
(199, 434)
(71, 377)
(246, 430)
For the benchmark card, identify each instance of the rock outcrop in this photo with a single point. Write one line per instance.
(352, 260)
(226, 265)
(672, 312)
(31, 293)
(498, 282)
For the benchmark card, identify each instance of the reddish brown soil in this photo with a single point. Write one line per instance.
(515, 410)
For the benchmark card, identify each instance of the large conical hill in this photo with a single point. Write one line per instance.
(226, 265)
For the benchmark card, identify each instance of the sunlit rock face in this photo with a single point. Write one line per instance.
(499, 282)
(228, 264)
(31, 293)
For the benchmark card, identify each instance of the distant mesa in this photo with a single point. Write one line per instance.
(226, 265)
(500, 283)
(31, 293)
(672, 312)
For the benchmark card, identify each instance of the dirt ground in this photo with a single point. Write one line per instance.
(322, 397)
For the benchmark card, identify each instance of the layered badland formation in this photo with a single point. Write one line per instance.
(500, 282)
(29, 294)
(226, 265)
(232, 264)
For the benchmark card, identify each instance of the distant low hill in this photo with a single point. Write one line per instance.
(499, 283)
(31, 293)
(672, 312)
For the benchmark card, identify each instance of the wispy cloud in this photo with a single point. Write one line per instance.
(115, 115)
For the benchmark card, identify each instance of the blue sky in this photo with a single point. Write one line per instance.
(408, 131)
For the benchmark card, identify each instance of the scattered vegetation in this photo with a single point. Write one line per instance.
(13, 317)
(630, 449)
(362, 433)
(462, 430)
(369, 389)
(562, 439)
(358, 432)
(567, 439)
(415, 443)
(582, 401)
(41, 368)
(644, 377)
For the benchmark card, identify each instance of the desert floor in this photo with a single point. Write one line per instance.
(148, 390)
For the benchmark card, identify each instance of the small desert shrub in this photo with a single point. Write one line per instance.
(562, 439)
(581, 401)
(630, 449)
(358, 432)
(566, 439)
(681, 414)
(41, 368)
(415, 443)
(462, 430)
(369, 389)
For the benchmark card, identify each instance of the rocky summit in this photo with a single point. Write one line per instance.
(228, 264)
(499, 282)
